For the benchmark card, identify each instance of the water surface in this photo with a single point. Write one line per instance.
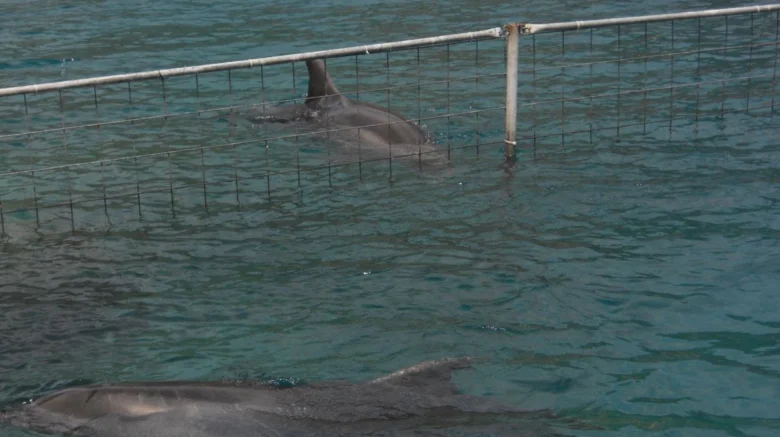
(629, 280)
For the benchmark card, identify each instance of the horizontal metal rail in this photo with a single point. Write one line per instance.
(532, 103)
(588, 24)
(239, 107)
(494, 33)
(378, 89)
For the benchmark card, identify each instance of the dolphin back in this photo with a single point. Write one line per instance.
(402, 399)
(433, 376)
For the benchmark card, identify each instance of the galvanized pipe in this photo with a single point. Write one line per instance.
(577, 25)
(493, 33)
(512, 43)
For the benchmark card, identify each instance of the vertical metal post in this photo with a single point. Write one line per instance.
(512, 42)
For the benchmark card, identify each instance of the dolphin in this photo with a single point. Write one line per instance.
(378, 131)
(417, 400)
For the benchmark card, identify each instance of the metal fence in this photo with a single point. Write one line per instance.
(579, 79)
(82, 153)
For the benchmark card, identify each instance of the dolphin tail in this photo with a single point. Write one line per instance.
(433, 376)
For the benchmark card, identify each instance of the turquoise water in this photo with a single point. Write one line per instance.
(628, 280)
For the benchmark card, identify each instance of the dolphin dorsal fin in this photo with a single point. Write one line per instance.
(323, 94)
(432, 376)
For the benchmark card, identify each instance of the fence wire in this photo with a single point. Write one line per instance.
(641, 76)
(79, 154)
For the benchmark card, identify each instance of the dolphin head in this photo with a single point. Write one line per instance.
(323, 94)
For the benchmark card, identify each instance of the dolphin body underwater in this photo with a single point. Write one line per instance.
(416, 401)
(376, 131)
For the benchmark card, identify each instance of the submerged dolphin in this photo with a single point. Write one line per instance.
(407, 401)
(371, 127)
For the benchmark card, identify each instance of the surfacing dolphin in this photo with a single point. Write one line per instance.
(416, 401)
(377, 131)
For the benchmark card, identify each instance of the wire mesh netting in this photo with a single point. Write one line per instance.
(645, 78)
(90, 157)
